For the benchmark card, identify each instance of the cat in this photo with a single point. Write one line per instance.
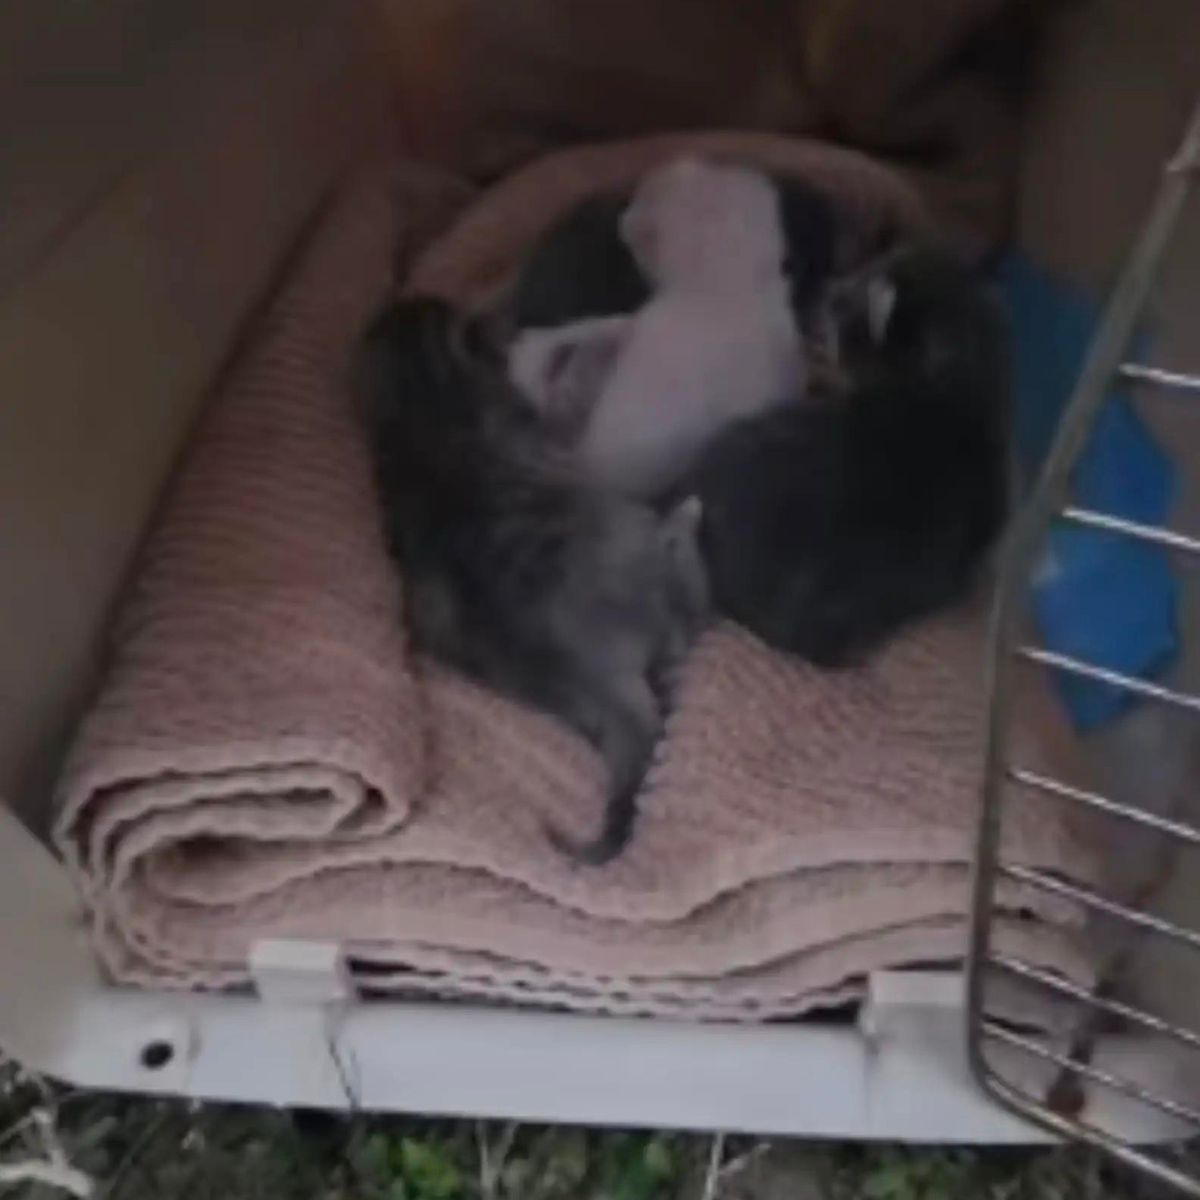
(574, 602)
(718, 339)
(581, 266)
(828, 527)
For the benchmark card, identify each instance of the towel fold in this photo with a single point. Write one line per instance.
(267, 758)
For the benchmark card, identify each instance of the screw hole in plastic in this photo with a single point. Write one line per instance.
(157, 1054)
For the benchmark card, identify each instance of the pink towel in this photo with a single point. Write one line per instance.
(266, 758)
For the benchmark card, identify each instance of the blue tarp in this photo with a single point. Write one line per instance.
(1097, 596)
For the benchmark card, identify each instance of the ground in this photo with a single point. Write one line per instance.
(137, 1149)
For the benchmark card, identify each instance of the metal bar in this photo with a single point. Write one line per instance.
(1140, 373)
(1054, 787)
(1058, 983)
(1023, 546)
(1018, 1040)
(1018, 561)
(1072, 1128)
(1093, 900)
(1134, 529)
(1130, 683)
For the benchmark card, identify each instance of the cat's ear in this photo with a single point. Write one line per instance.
(683, 521)
(680, 540)
(530, 364)
(881, 303)
(639, 231)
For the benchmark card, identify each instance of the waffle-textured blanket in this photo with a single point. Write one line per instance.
(266, 757)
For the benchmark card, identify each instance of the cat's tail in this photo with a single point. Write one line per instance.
(625, 729)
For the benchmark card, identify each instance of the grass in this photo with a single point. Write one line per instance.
(138, 1149)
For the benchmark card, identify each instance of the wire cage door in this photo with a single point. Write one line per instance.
(991, 1042)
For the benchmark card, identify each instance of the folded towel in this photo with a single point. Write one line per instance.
(267, 758)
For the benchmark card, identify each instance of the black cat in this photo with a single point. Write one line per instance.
(826, 527)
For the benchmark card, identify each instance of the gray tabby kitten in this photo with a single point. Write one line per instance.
(570, 600)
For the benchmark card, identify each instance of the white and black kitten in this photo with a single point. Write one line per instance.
(582, 267)
(569, 600)
(716, 341)
(639, 380)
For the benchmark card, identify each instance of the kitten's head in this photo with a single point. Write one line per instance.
(692, 221)
(918, 312)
